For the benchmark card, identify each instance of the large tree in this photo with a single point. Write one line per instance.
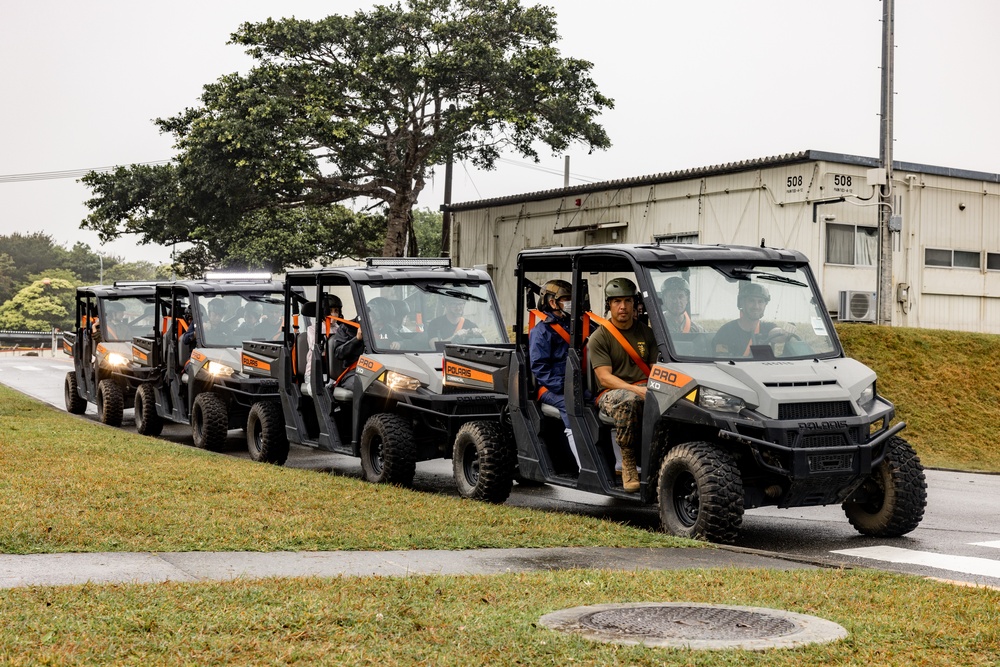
(46, 303)
(357, 107)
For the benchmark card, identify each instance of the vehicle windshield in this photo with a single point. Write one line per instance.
(127, 317)
(728, 312)
(227, 319)
(424, 317)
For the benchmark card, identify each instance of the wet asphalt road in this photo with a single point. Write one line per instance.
(959, 538)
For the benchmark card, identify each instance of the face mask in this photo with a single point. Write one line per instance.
(567, 307)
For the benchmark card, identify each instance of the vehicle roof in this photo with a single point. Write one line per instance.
(671, 252)
(215, 286)
(378, 274)
(119, 289)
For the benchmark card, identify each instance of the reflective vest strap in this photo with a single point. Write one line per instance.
(458, 327)
(346, 371)
(534, 317)
(687, 324)
(182, 326)
(562, 332)
(746, 352)
(343, 321)
(541, 392)
(420, 322)
(613, 330)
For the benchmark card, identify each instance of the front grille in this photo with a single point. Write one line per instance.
(827, 410)
(831, 462)
(816, 441)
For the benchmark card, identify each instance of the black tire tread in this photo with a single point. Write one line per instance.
(497, 461)
(214, 421)
(907, 500)
(273, 440)
(110, 403)
(75, 404)
(720, 512)
(399, 451)
(147, 420)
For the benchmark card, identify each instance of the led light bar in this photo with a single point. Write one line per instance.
(377, 262)
(236, 275)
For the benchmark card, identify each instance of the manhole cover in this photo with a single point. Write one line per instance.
(694, 625)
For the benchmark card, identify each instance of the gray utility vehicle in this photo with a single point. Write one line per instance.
(193, 357)
(385, 402)
(779, 417)
(107, 318)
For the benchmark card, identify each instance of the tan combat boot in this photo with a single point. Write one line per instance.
(630, 477)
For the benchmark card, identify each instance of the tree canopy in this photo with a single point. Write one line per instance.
(45, 304)
(354, 107)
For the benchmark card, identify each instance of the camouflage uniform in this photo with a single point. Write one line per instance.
(625, 407)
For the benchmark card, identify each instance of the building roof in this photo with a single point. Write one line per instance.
(718, 170)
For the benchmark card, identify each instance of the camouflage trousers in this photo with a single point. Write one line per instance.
(625, 407)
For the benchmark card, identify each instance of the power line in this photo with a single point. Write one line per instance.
(67, 173)
(547, 170)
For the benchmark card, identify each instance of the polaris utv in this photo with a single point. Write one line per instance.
(383, 402)
(193, 356)
(736, 415)
(107, 318)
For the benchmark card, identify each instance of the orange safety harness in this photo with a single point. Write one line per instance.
(536, 316)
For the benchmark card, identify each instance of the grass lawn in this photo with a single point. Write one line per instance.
(891, 620)
(946, 387)
(70, 485)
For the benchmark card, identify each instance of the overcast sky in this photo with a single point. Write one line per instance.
(695, 83)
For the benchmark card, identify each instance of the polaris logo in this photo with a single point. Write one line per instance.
(818, 426)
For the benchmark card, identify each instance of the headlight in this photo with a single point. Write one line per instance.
(397, 381)
(867, 395)
(712, 399)
(115, 359)
(215, 368)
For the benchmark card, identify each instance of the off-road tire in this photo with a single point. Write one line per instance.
(110, 403)
(388, 453)
(209, 422)
(266, 439)
(483, 460)
(147, 420)
(892, 499)
(701, 493)
(75, 404)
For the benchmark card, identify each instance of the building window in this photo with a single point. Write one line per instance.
(963, 259)
(851, 245)
(690, 237)
(992, 261)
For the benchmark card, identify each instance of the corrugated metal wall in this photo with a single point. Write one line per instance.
(787, 206)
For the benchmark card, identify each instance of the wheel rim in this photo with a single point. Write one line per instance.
(375, 456)
(256, 437)
(686, 500)
(470, 464)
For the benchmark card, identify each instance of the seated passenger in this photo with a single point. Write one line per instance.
(216, 315)
(349, 341)
(734, 338)
(251, 328)
(548, 346)
(675, 294)
(334, 308)
(452, 326)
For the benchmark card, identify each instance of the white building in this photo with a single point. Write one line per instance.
(946, 258)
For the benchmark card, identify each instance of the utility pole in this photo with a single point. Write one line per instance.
(446, 215)
(885, 304)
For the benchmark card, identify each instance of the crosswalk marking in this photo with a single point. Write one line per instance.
(995, 544)
(967, 564)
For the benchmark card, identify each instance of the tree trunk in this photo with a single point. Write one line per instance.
(399, 223)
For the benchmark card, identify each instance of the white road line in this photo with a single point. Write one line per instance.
(25, 367)
(995, 544)
(981, 566)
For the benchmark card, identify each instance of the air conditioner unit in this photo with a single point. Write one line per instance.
(856, 306)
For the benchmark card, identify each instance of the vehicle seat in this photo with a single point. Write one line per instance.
(335, 367)
(301, 354)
